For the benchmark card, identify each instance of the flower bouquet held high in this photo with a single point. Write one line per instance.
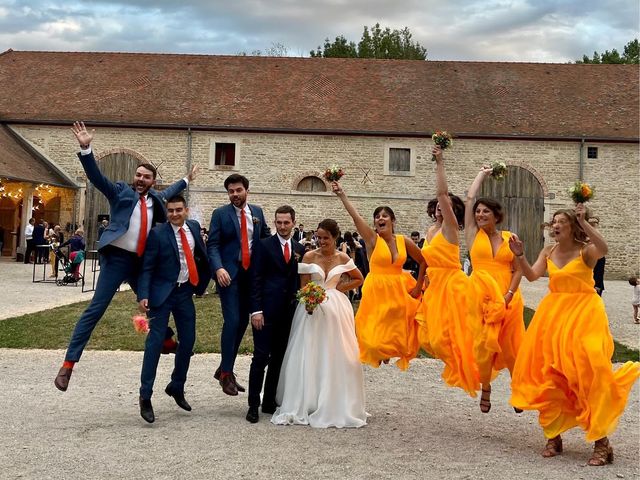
(442, 139)
(498, 170)
(333, 173)
(581, 192)
(311, 295)
(140, 323)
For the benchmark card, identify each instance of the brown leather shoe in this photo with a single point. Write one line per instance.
(239, 387)
(217, 373)
(62, 379)
(228, 385)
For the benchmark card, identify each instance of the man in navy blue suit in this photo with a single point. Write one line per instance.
(234, 229)
(122, 243)
(174, 267)
(274, 283)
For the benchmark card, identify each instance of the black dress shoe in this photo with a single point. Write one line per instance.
(217, 373)
(178, 397)
(228, 385)
(62, 379)
(252, 415)
(268, 409)
(146, 410)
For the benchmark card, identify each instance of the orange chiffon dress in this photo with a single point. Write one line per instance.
(564, 368)
(500, 328)
(385, 321)
(445, 324)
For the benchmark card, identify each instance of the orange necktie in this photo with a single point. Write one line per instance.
(287, 254)
(188, 255)
(142, 237)
(244, 241)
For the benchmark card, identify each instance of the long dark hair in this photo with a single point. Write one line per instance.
(331, 226)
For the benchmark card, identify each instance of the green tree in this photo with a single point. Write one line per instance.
(629, 56)
(375, 43)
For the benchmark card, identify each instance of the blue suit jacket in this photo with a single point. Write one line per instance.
(223, 246)
(123, 199)
(161, 264)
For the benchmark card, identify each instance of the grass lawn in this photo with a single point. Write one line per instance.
(51, 329)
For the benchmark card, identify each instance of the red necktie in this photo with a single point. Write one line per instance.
(244, 241)
(287, 254)
(142, 237)
(188, 255)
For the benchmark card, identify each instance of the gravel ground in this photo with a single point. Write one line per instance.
(418, 429)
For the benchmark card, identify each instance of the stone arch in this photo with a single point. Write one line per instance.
(313, 178)
(534, 172)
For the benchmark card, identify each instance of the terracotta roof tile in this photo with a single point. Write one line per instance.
(19, 161)
(335, 95)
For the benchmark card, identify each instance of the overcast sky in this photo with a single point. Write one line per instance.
(483, 30)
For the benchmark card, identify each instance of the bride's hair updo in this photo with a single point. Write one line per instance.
(330, 226)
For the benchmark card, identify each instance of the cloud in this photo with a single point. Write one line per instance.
(501, 30)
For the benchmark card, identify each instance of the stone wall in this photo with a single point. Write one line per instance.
(275, 163)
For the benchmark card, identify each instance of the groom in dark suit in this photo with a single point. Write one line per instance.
(235, 228)
(274, 284)
(175, 266)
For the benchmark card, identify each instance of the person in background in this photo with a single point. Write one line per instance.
(411, 265)
(28, 236)
(598, 270)
(635, 301)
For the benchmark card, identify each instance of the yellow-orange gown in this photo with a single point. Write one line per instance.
(445, 328)
(564, 368)
(499, 330)
(385, 321)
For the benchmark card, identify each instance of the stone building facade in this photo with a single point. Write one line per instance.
(277, 163)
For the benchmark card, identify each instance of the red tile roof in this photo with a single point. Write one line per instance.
(395, 97)
(20, 161)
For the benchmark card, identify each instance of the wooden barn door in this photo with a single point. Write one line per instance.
(523, 200)
(116, 167)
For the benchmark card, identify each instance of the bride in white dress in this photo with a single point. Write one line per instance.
(321, 381)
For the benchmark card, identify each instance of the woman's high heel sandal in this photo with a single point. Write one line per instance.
(602, 453)
(553, 447)
(485, 400)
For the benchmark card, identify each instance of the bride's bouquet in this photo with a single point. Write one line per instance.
(311, 295)
(581, 192)
(140, 323)
(443, 139)
(333, 173)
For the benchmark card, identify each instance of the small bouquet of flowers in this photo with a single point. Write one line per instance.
(498, 170)
(581, 192)
(443, 139)
(140, 323)
(333, 173)
(311, 295)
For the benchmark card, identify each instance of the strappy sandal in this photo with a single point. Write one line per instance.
(553, 447)
(517, 410)
(485, 400)
(602, 453)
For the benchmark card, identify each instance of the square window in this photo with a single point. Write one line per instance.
(225, 154)
(399, 159)
(592, 152)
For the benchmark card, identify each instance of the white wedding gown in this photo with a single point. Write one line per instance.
(321, 381)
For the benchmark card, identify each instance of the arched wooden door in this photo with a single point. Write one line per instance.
(116, 167)
(522, 197)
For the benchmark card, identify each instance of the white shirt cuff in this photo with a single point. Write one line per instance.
(255, 313)
(85, 152)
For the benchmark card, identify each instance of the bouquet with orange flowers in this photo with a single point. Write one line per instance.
(140, 323)
(311, 295)
(443, 139)
(581, 192)
(333, 173)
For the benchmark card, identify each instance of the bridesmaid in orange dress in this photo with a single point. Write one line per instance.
(564, 368)
(385, 321)
(445, 329)
(496, 277)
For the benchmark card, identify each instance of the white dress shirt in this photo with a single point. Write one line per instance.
(28, 232)
(184, 269)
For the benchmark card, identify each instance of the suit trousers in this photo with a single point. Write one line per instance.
(180, 303)
(234, 300)
(116, 266)
(269, 347)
